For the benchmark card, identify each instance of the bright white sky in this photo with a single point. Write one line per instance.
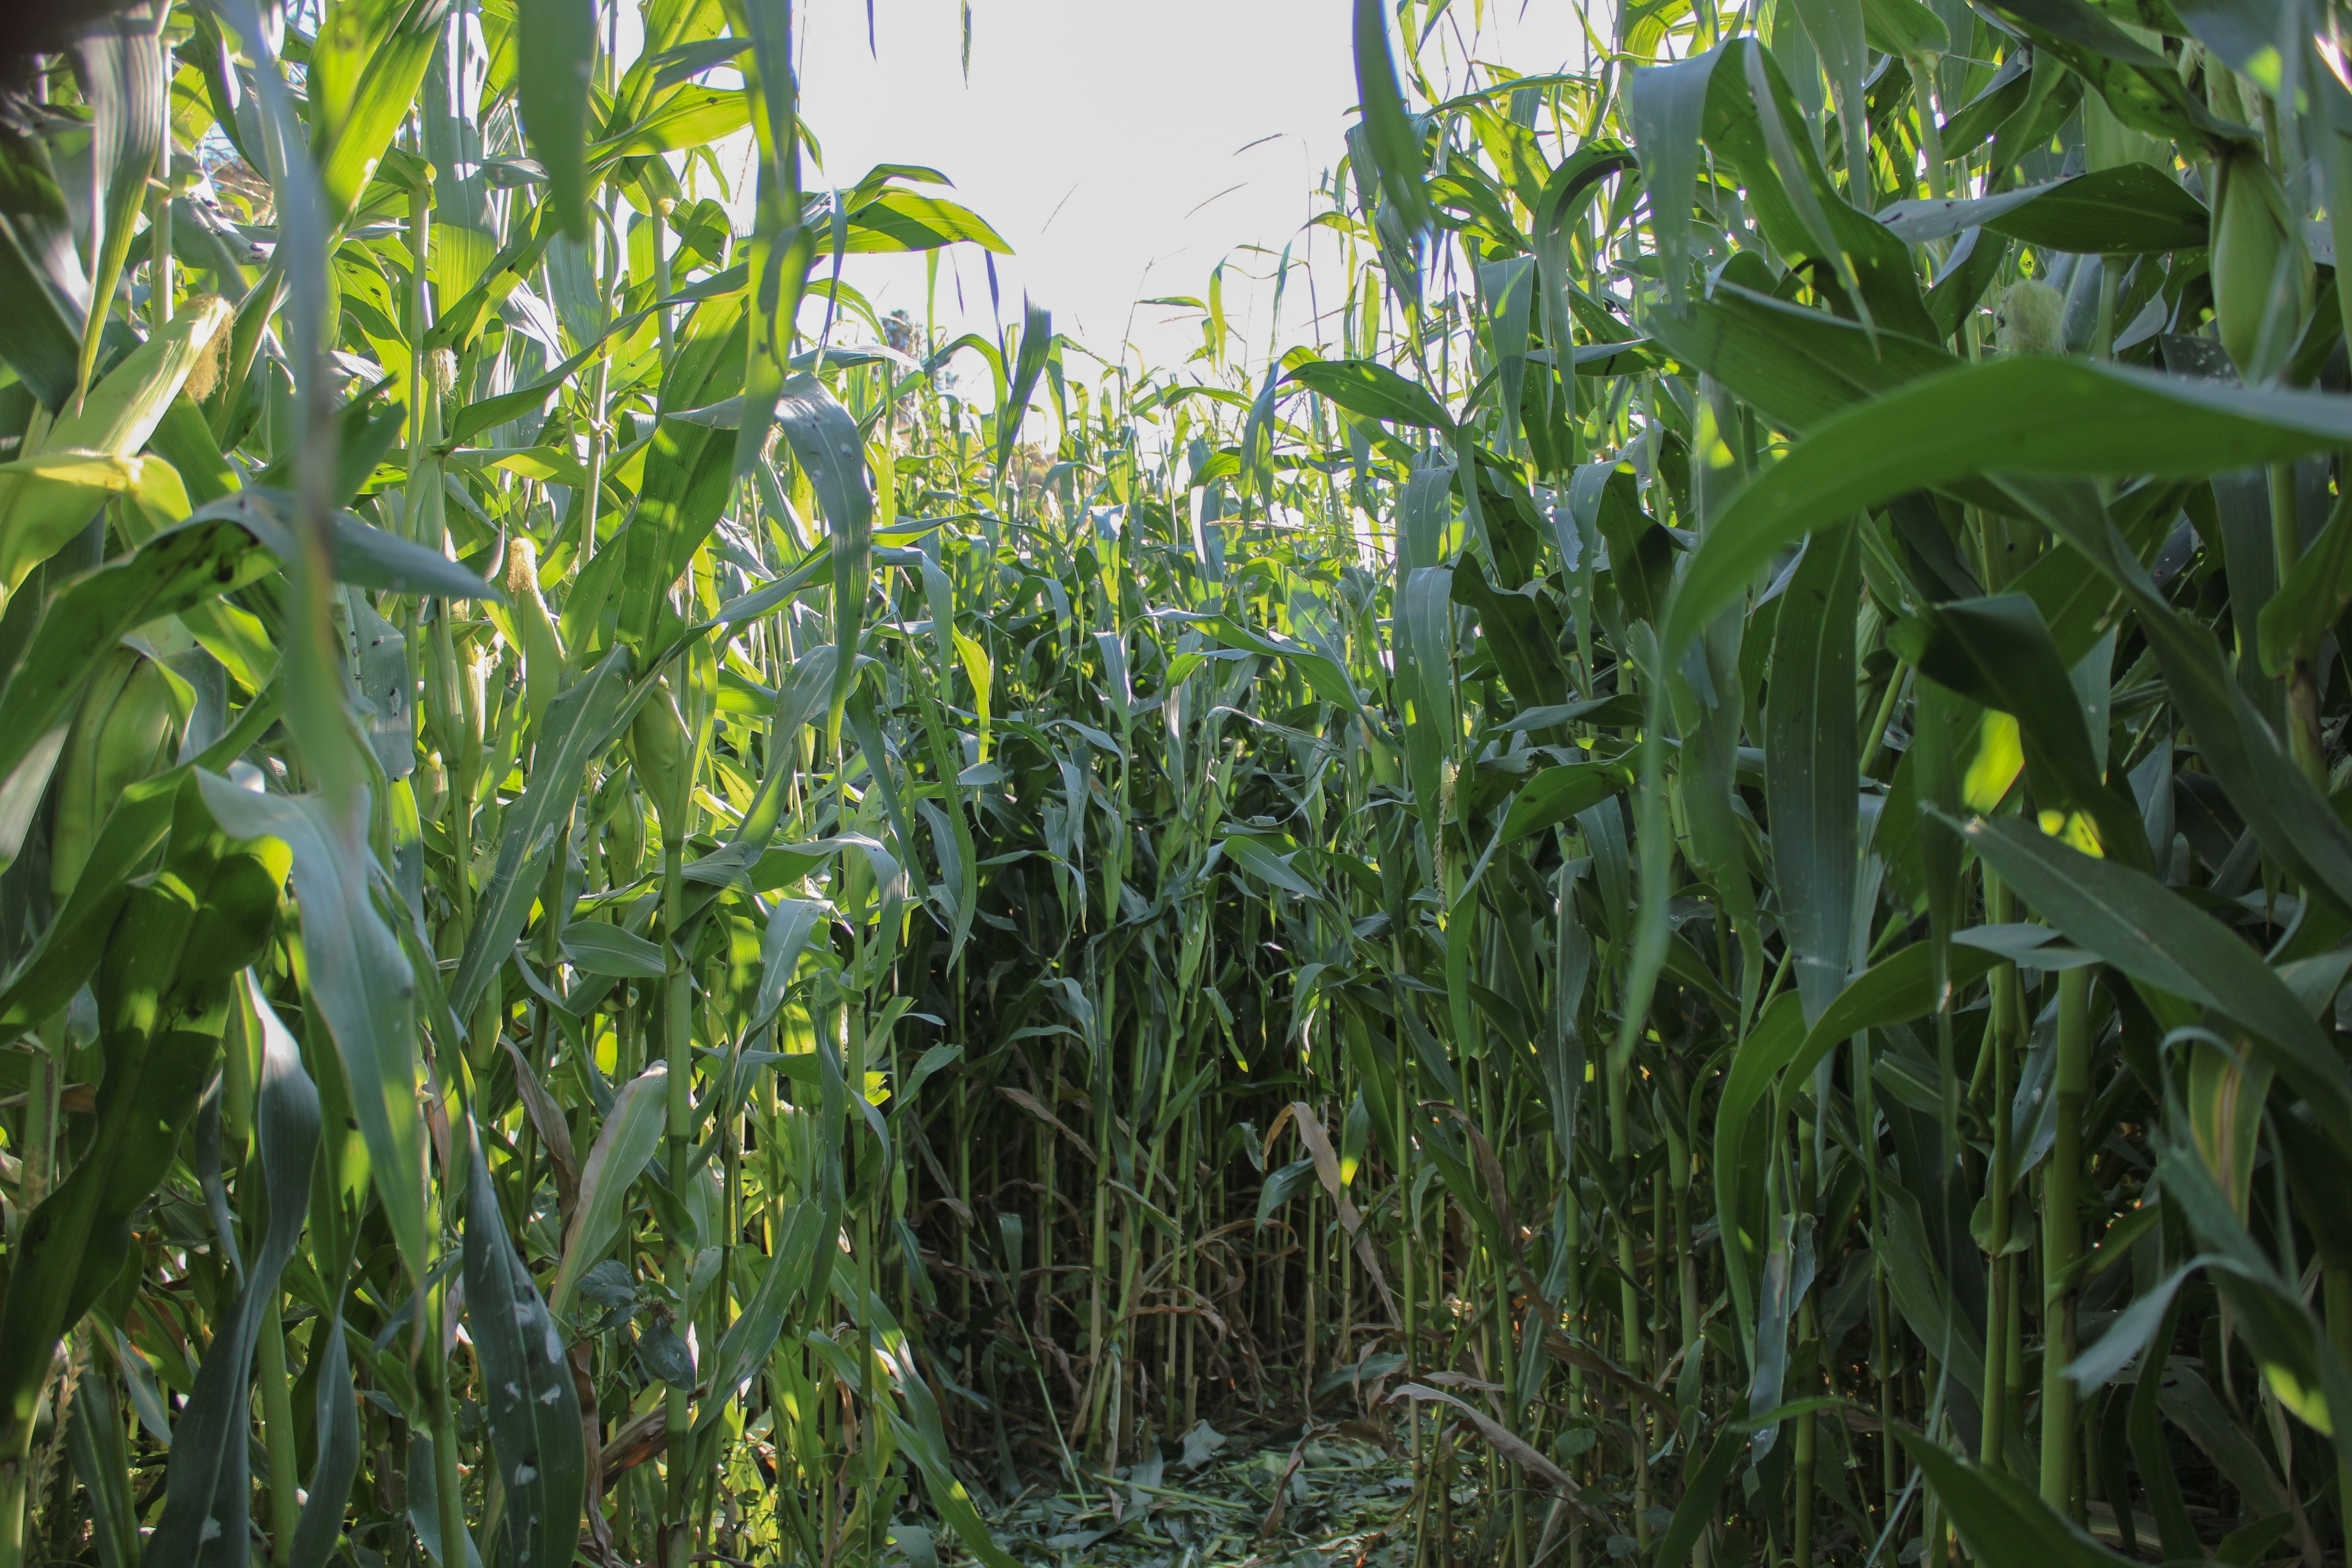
(1122, 147)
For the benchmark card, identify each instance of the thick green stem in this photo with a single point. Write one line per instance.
(448, 1486)
(600, 439)
(2338, 160)
(1931, 132)
(15, 1462)
(1621, 1068)
(422, 491)
(2287, 534)
(35, 1178)
(1409, 1217)
(1808, 1439)
(277, 1435)
(2000, 1180)
(2102, 331)
(1881, 719)
(660, 219)
(436, 1375)
(41, 1117)
(2302, 676)
(2062, 1236)
(159, 285)
(1883, 1364)
(678, 1265)
(436, 1371)
(1678, 1170)
(1806, 1200)
(2336, 1301)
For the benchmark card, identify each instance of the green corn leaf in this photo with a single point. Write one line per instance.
(1904, 27)
(1923, 1293)
(1797, 367)
(533, 1411)
(690, 117)
(1522, 638)
(1028, 364)
(101, 1462)
(1999, 1519)
(169, 574)
(2290, 1343)
(2026, 416)
(919, 1430)
(1811, 765)
(610, 951)
(337, 1423)
(2151, 934)
(783, 246)
(632, 1131)
(1374, 391)
(163, 994)
(362, 982)
(1322, 672)
(424, 1506)
(2147, 1435)
(2316, 1167)
(1667, 105)
(1794, 201)
(1283, 1185)
(556, 50)
(1704, 1483)
(1425, 679)
(181, 438)
(1838, 32)
(1781, 1051)
(745, 1347)
(1390, 131)
(122, 70)
(899, 221)
(2315, 593)
(1997, 652)
(824, 439)
(580, 722)
(2143, 87)
(1559, 795)
(206, 1486)
(1790, 149)
(2009, 89)
(306, 210)
(2128, 1334)
(44, 981)
(362, 556)
(2287, 812)
(41, 338)
(45, 496)
(794, 922)
(1898, 989)
(2242, 32)
(1266, 866)
(366, 68)
(2131, 210)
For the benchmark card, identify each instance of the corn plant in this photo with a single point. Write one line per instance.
(1685, 876)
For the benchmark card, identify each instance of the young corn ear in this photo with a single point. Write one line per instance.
(662, 756)
(2250, 245)
(2030, 319)
(541, 644)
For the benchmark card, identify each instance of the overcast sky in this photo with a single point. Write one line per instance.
(1122, 147)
